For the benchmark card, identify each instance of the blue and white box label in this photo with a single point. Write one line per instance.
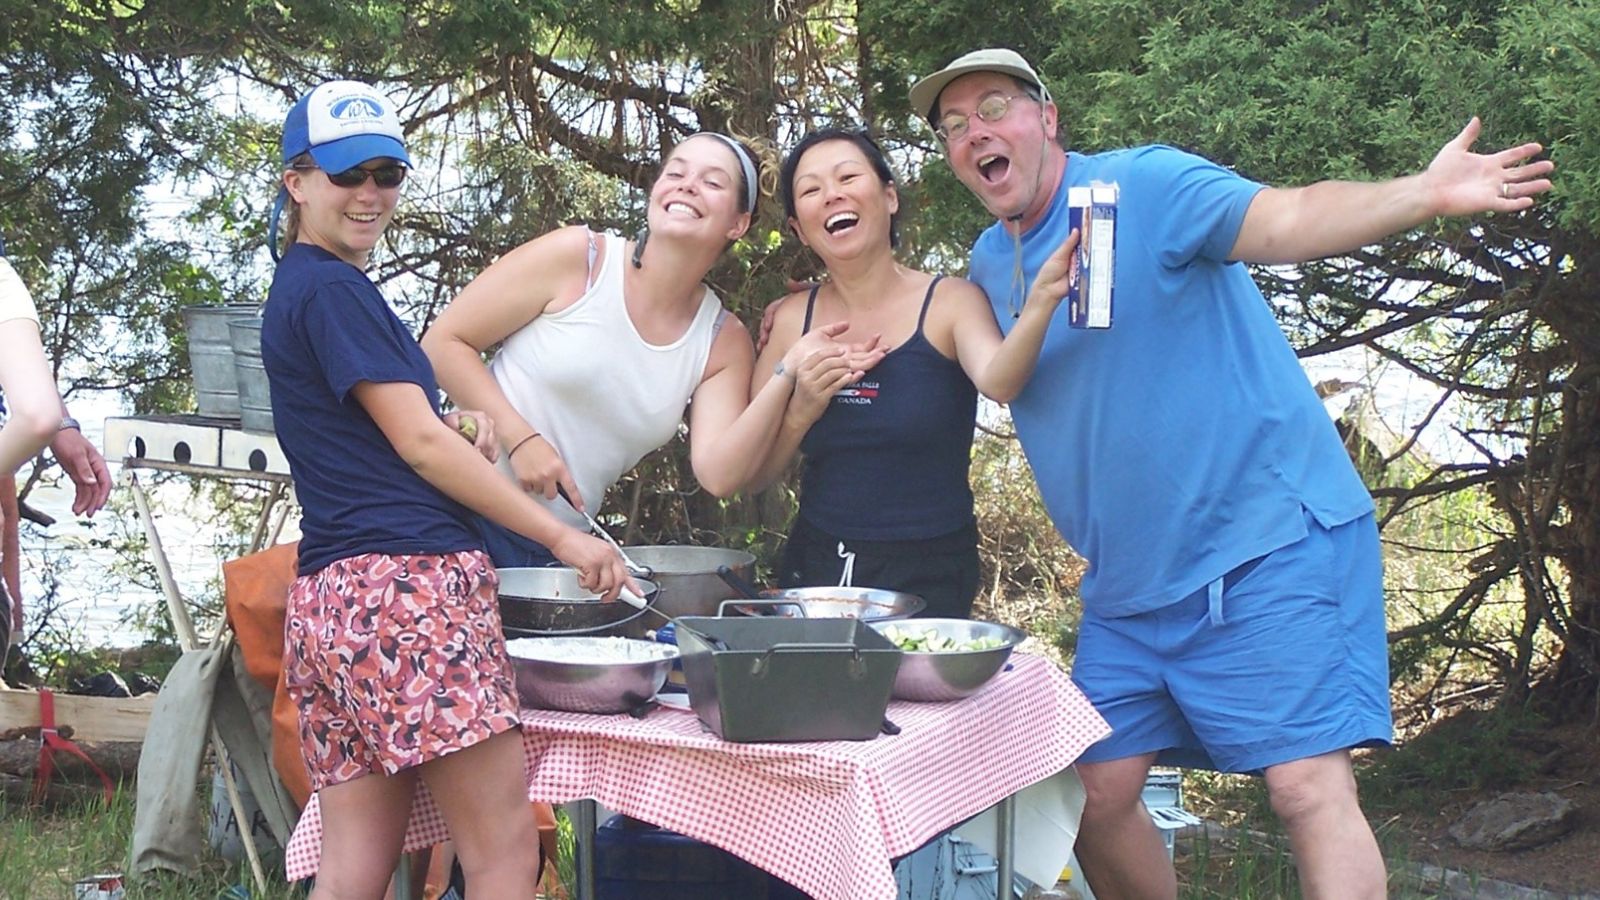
(1093, 211)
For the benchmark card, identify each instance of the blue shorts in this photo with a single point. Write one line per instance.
(1284, 658)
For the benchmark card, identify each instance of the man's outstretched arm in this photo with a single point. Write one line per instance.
(1291, 225)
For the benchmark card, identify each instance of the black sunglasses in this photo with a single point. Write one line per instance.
(385, 176)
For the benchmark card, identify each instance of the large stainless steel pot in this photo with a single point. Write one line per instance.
(690, 585)
(552, 602)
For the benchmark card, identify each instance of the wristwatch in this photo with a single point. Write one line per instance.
(69, 422)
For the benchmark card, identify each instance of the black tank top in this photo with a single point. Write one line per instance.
(888, 459)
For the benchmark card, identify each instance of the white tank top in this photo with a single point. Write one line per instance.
(595, 389)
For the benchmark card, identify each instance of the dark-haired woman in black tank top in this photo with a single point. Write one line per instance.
(885, 501)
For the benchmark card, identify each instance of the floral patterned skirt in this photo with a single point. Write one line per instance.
(396, 660)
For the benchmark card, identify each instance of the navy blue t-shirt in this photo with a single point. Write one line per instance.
(325, 329)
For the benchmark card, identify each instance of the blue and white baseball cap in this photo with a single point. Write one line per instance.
(342, 124)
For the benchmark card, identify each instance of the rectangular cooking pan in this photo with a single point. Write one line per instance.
(787, 679)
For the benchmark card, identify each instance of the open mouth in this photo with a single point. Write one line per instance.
(683, 209)
(993, 167)
(362, 218)
(840, 222)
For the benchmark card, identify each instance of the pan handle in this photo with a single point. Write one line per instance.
(806, 647)
(716, 643)
(722, 608)
(744, 588)
(762, 662)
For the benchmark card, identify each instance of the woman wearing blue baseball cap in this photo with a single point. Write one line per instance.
(393, 648)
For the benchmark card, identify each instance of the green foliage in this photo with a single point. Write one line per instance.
(1291, 93)
(1551, 66)
(1029, 576)
(1472, 751)
(53, 657)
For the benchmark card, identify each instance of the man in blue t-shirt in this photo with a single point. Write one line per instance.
(1233, 606)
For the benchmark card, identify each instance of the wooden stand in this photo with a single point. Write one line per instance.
(93, 719)
(205, 448)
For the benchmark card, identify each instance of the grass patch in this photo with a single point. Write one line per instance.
(1242, 870)
(1257, 866)
(1255, 863)
(42, 852)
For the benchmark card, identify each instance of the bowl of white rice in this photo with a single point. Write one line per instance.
(589, 674)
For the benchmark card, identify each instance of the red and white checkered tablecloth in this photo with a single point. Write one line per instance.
(825, 816)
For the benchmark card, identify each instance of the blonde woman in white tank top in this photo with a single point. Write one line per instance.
(605, 341)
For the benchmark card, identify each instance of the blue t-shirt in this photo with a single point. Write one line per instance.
(325, 329)
(1183, 440)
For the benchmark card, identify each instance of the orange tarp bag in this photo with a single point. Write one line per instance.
(256, 594)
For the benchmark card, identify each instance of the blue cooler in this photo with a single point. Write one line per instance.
(635, 860)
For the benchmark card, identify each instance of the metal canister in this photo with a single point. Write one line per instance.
(106, 886)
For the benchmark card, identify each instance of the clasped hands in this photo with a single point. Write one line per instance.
(821, 365)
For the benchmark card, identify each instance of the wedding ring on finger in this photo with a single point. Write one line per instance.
(1505, 190)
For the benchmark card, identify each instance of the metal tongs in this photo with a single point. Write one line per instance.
(627, 596)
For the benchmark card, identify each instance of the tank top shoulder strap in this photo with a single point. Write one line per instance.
(594, 249)
(811, 306)
(605, 279)
(926, 301)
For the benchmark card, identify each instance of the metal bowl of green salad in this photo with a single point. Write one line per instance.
(947, 659)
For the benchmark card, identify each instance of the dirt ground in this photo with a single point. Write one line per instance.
(1565, 761)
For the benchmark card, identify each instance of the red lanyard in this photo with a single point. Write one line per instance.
(51, 741)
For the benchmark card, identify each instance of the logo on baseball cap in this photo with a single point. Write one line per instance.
(342, 124)
(925, 93)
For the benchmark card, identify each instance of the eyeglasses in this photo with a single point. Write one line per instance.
(386, 176)
(991, 109)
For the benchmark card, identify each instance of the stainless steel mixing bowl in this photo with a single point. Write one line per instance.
(589, 674)
(950, 674)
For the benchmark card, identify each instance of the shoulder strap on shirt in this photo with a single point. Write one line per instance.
(926, 301)
(811, 305)
(594, 248)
